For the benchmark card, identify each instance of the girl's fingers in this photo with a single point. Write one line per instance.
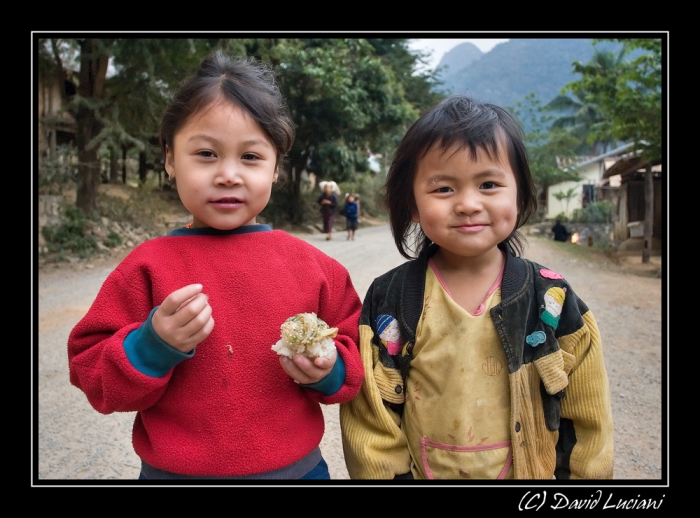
(180, 298)
(199, 320)
(193, 340)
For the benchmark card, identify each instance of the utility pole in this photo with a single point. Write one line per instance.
(648, 213)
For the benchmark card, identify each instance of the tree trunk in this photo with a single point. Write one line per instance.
(88, 163)
(541, 209)
(124, 165)
(648, 213)
(94, 58)
(287, 198)
(143, 167)
(113, 165)
(296, 212)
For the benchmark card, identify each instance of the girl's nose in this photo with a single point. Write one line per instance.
(227, 174)
(467, 203)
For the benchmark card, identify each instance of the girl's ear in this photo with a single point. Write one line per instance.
(169, 162)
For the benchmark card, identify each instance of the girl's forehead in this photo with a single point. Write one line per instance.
(221, 114)
(218, 103)
(476, 153)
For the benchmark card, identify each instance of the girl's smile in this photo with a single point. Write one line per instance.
(469, 228)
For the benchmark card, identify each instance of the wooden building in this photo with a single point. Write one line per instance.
(623, 184)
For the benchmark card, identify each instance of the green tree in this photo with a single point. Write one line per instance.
(146, 72)
(86, 106)
(566, 197)
(546, 147)
(627, 95)
(581, 115)
(419, 84)
(348, 98)
(345, 101)
(121, 111)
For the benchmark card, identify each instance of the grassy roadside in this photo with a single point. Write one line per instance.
(605, 257)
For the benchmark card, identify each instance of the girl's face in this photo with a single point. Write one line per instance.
(224, 166)
(466, 206)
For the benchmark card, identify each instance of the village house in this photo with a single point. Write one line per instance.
(616, 176)
(55, 125)
(586, 190)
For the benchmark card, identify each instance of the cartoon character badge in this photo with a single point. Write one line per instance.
(388, 329)
(553, 303)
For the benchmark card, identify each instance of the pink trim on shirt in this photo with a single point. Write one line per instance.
(425, 442)
(439, 276)
(482, 306)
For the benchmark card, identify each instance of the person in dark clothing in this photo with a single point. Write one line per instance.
(329, 203)
(351, 211)
(560, 232)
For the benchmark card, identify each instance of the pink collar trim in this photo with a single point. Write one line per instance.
(482, 306)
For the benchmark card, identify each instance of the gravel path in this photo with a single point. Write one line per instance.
(77, 443)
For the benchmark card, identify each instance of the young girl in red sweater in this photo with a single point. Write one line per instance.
(181, 331)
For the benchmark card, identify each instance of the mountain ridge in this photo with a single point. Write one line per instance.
(513, 69)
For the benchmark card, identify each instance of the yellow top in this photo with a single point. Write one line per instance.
(457, 395)
(375, 443)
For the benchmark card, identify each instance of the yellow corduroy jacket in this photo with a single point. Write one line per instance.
(560, 417)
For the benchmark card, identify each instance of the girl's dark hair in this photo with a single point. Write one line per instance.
(456, 120)
(246, 82)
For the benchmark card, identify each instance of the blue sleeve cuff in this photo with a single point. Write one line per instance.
(333, 381)
(149, 354)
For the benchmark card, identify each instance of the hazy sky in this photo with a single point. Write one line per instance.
(438, 47)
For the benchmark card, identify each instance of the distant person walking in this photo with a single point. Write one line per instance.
(329, 204)
(351, 211)
(560, 231)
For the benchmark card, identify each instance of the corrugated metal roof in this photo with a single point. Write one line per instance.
(614, 152)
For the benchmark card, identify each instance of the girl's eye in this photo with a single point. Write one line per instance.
(249, 156)
(443, 189)
(488, 185)
(206, 153)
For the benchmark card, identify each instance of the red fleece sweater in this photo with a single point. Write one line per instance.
(228, 409)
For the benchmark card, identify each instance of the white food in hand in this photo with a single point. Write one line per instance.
(306, 334)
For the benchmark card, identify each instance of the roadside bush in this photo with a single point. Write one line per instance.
(70, 234)
(142, 209)
(79, 235)
(56, 172)
(596, 212)
(113, 239)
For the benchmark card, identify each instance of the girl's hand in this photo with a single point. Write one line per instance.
(184, 318)
(305, 371)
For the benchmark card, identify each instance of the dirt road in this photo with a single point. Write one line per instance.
(77, 443)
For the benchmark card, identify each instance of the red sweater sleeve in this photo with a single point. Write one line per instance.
(340, 307)
(98, 364)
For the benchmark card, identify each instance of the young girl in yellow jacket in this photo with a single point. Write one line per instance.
(479, 364)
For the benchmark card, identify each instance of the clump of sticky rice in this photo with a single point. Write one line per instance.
(306, 334)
